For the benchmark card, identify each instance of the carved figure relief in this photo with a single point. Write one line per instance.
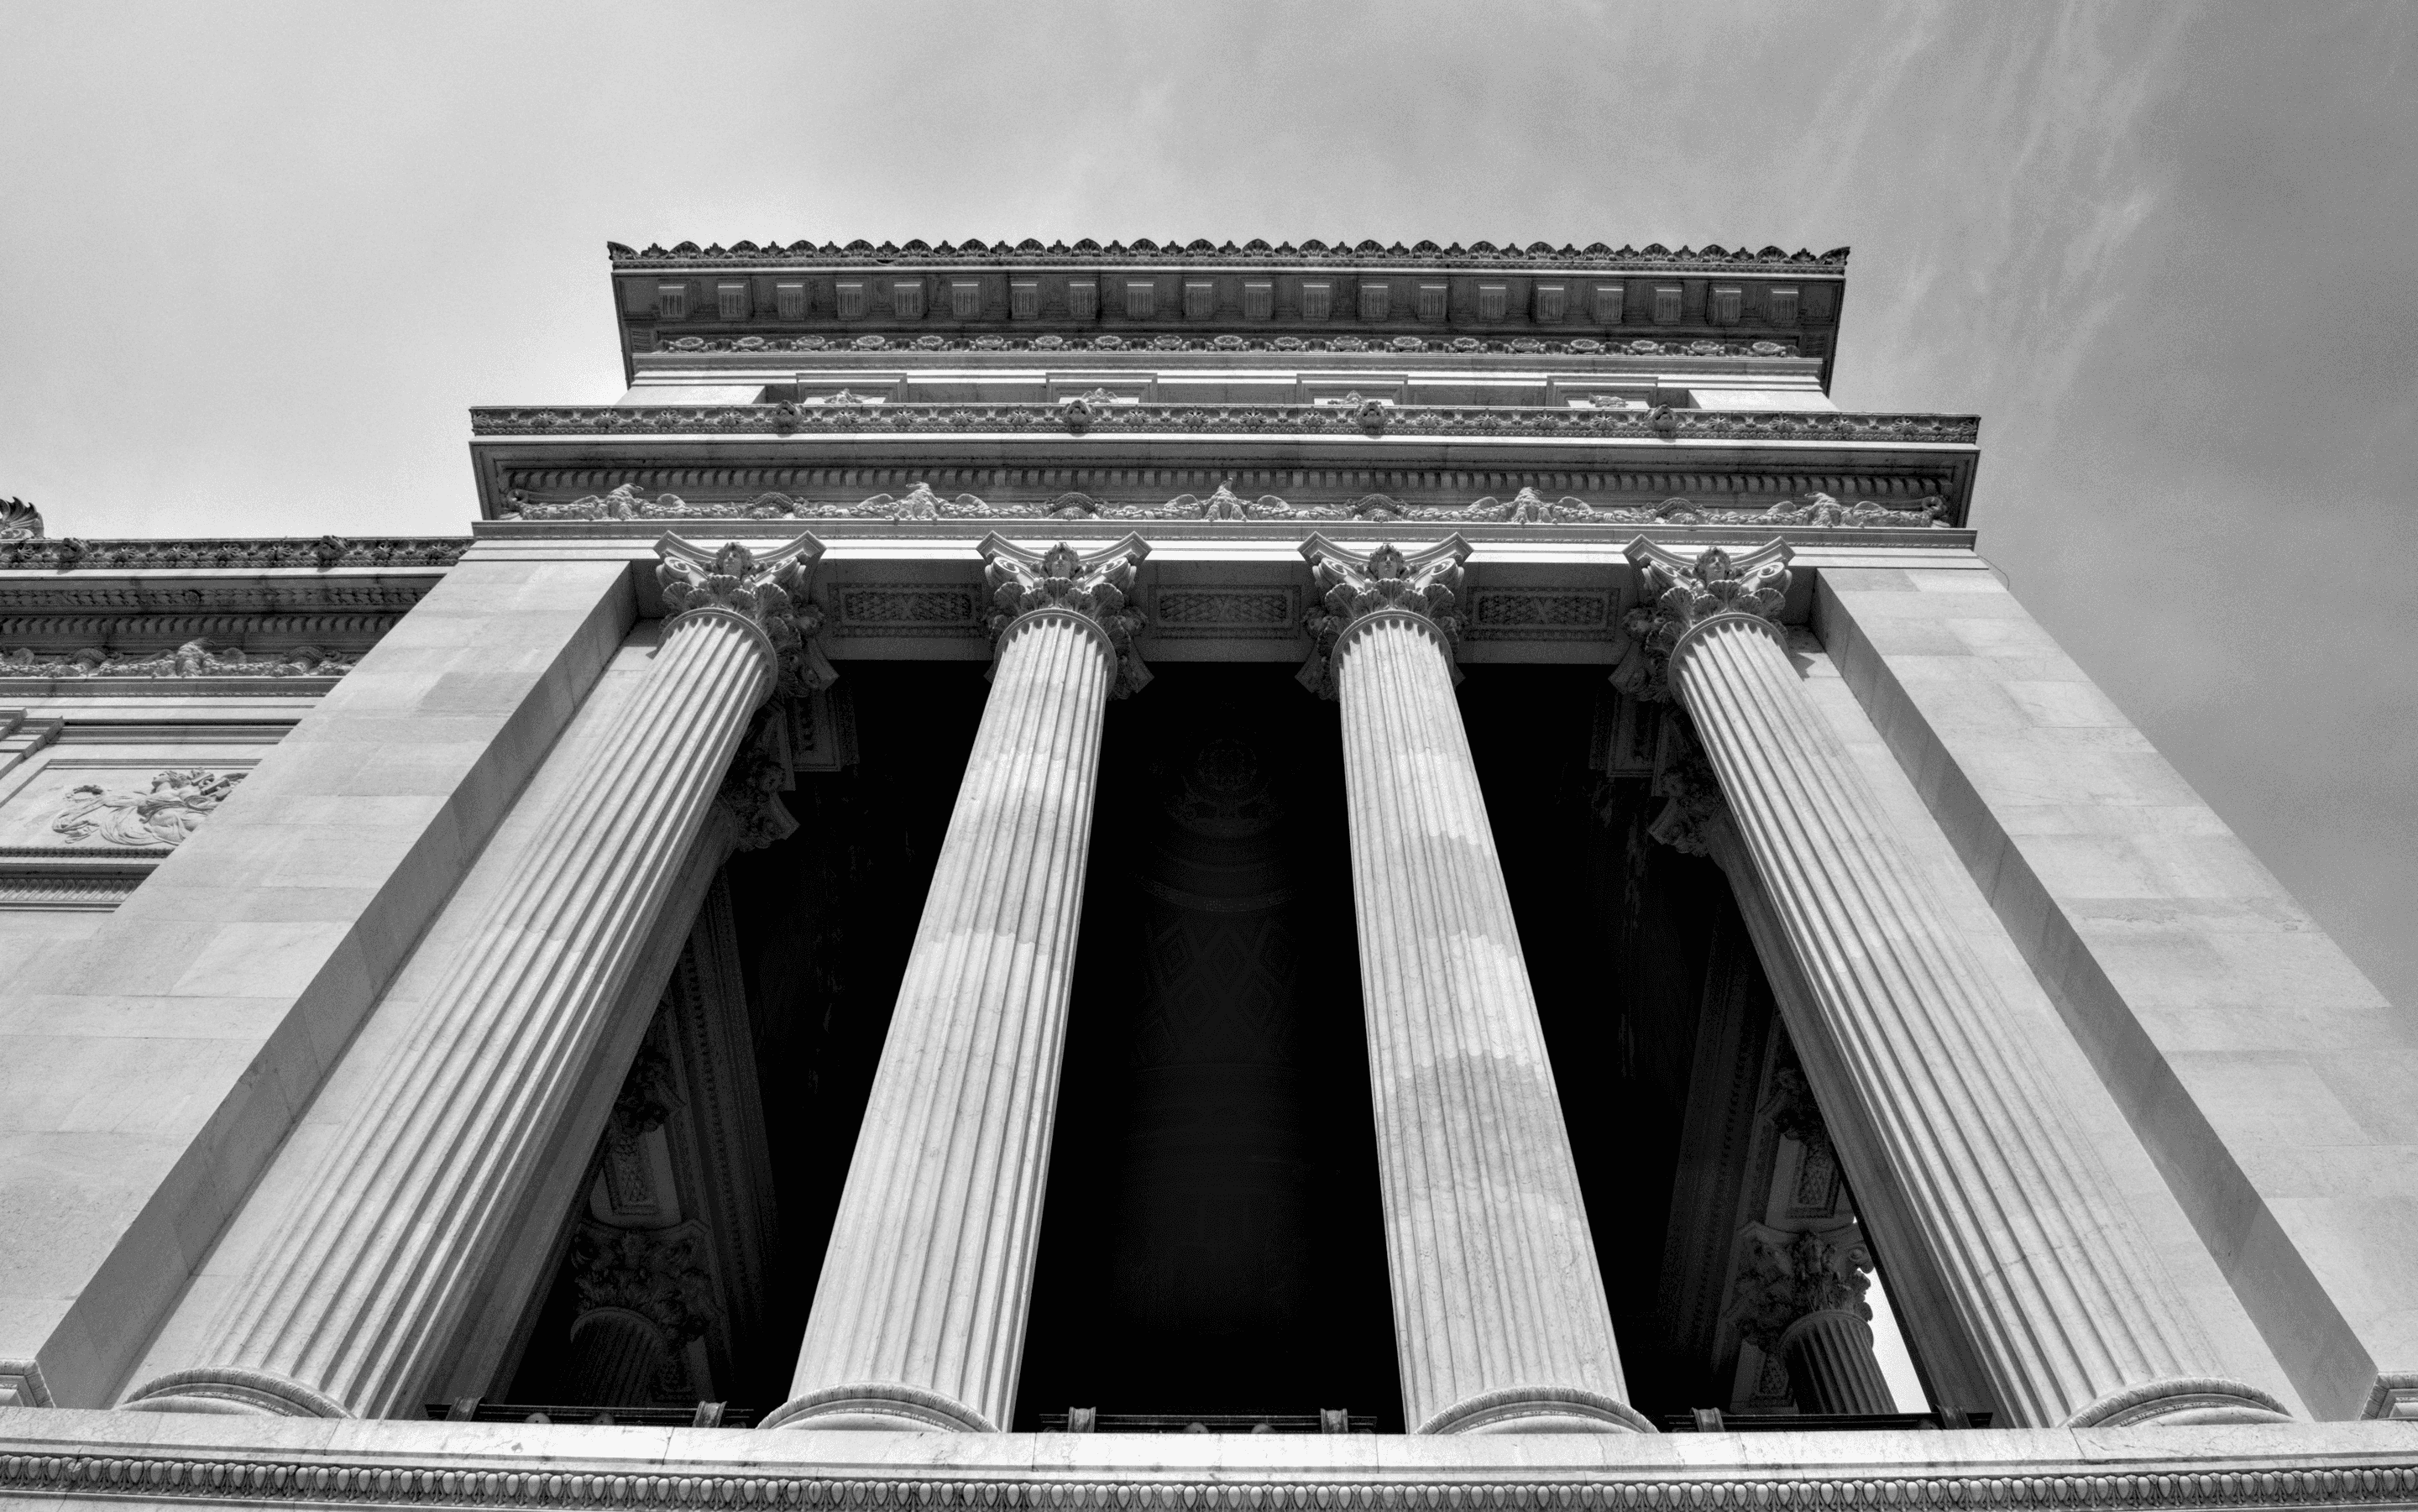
(173, 806)
(194, 659)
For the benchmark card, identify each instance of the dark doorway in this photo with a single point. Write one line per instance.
(1213, 1241)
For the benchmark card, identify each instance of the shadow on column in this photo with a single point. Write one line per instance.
(1213, 1240)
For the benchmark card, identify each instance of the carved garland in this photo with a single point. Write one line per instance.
(1816, 511)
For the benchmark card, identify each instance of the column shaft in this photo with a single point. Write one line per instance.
(2077, 1321)
(1499, 1310)
(918, 1321)
(345, 1312)
(1830, 1365)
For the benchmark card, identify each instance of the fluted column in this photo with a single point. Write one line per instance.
(1800, 1296)
(343, 1313)
(1830, 1365)
(918, 1321)
(2075, 1319)
(1499, 1310)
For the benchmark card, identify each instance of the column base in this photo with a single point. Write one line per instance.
(1538, 1410)
(886, 1405)
(2184, 1400)
(232, 1391)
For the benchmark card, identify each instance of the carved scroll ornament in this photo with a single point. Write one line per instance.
(1096, 588)
(1677, 595)
(1354, 588)
(769, 592)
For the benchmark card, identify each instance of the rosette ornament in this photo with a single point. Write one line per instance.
(1355, 591)
(1096, 588)
(768, 591)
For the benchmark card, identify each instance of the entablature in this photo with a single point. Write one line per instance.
(1480, 294)
(1101, 456)
(1230, 589)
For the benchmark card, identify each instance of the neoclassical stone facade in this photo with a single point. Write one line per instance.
(1022, 845)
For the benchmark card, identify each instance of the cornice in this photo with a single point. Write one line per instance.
(513, 1466)
(1480, 256)
(1050, 344)
(68, 554)
(1821, 427)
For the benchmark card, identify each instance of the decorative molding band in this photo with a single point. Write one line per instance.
(167, 630)
(1452, 346)
(290, 1480)
(68, 553)
(1502, 422)
(24, 886)
(1479, 256)
(196, 657)
(1816, 512)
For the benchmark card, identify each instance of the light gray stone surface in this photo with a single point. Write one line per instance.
(147, 1077)
(77, 1457)
(2271, 1083)
(2059, 1294)
(918, 1320)
(1500, 1320)
(429, 1149)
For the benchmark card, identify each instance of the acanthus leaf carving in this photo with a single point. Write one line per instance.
(770, 591)
(20, 520)
(1787, 1276)
(1677, 594)
(653, 1273)
(1096, 587)
(1354, 587)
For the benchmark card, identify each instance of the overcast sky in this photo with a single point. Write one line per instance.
(256, 262)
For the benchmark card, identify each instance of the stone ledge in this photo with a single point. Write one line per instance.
(168, 1458)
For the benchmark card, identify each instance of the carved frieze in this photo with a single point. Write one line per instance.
(195, 657)
(1677, 594)
(68, 553)
(921, 502)
(1096, 587)
(1354, 587)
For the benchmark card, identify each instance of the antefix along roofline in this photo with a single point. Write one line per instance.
(1478, 257)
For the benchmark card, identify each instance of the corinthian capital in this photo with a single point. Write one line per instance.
(769, 592)
(1095, 587)
(1785, 1276)
(1355, 589)
(1677, 594)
